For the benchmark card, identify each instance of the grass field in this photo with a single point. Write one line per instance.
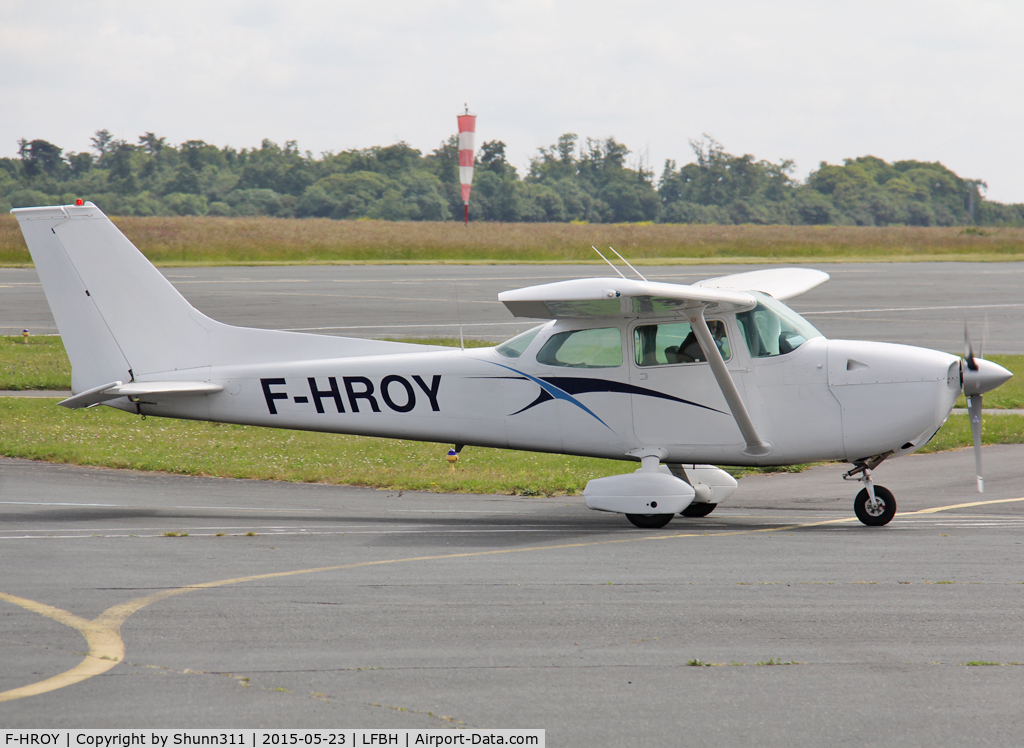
(189, 240)
(38, 429)
(42, 364)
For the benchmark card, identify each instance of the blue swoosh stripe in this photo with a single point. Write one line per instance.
(556, 392)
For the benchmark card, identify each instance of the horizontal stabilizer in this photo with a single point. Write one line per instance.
(617, 297)
(779, 283)
(115, 390)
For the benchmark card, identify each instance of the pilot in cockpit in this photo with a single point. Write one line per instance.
(690, 351)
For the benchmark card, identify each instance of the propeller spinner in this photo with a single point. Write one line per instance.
(978, 376)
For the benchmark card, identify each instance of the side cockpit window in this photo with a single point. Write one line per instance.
(585, 349)
(675, 343)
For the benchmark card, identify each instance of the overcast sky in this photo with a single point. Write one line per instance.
(811, 81)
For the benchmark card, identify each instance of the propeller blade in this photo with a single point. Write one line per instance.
(974, 412)
(969, 350)
(978, 376)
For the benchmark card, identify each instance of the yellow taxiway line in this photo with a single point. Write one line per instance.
(107, 648)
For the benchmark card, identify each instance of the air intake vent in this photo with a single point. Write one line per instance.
(853, 364)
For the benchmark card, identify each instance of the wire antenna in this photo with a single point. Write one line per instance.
(627, 263)
(458, 313)
(609, 261)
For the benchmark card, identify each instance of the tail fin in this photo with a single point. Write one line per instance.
(120, 319)
(104, 293)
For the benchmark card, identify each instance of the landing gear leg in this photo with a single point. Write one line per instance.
(875, 505)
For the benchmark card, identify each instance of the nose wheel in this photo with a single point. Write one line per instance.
(878, 512)
(875, 505)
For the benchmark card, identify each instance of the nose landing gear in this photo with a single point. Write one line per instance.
(875, 505)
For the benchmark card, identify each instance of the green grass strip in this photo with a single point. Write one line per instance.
(41, 364)
(956, 434)
(38, 429)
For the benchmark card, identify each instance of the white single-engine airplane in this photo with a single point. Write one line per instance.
(672, 376)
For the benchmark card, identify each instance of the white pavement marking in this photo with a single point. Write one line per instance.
(915, 309)
(456, 511)
(53, 503)
(133, 506)
(404, 327)
(265, 532)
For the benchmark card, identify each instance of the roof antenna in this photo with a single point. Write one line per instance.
(609, 261)
(627, 263)
(458, 312)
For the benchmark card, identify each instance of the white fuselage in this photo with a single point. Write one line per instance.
(826, 400)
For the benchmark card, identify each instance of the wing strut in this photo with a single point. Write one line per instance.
(755, 446)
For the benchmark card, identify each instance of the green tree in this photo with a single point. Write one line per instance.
(102, 141)
(185, 180)
(151, 143)
(41, 157)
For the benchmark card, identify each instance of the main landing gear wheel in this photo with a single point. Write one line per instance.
(881, 513)
(698, 510)
(650, 521)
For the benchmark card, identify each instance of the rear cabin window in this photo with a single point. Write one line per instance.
(597, 348)
(514, 347)
(675, 343)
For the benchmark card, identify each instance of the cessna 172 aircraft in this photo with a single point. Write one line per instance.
(675, 377)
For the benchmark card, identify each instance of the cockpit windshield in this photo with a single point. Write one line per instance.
(773, 329)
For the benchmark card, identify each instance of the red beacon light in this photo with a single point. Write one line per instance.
(79, 202)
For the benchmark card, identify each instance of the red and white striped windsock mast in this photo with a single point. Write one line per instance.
(467, 135)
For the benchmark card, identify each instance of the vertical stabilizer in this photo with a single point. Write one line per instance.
(118, 316)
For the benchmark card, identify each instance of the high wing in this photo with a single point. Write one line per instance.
(779, 283)
(614, 297)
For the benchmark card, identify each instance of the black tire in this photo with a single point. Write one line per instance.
(698, 510)
(884, 495)
(650, 521)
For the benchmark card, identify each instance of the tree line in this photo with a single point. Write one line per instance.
(572, 180)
